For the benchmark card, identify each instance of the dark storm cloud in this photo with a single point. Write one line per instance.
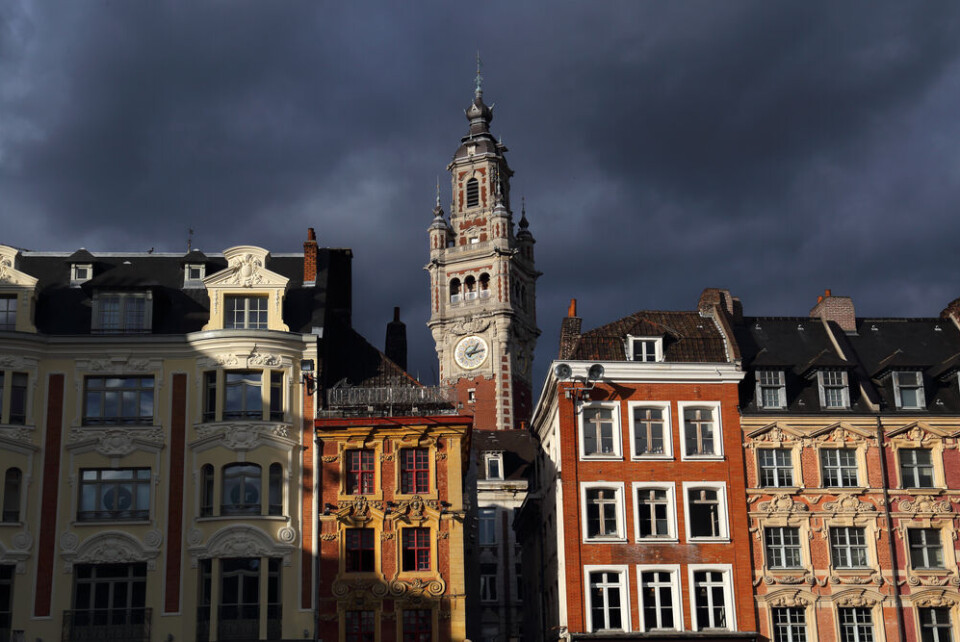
(772, 148)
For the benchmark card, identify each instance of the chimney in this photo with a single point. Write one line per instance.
(569, 331)
(838, 309)
(395, 345)
(952, 312)
(310, 258)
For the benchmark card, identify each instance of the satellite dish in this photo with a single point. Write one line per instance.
(562, 371)
(595, 372)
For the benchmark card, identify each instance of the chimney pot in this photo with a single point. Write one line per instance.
(820, 299)
(827, 292)
(572, 310)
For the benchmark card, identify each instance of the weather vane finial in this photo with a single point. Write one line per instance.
(479, 89)
(189, 239)
(438, 190)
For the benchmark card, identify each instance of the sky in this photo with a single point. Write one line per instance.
(771, 148)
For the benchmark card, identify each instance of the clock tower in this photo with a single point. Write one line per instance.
(483, 282)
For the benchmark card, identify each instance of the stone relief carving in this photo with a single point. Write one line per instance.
(8, 361)
(469, 325)
(112, 547)
(6, 268)
(933, 580)
(22, 434)
(856, 579)
(783, 503)
(243, 436)
(789, 600)
(860, 599)
(789, 579)
(241, 541)
(329, 537)
(246, 271)
(153, 538)
(942, 599)
(259, 359)
(924, 505)
(117, 442)
(418, 586)
(329, 459)
(840, 434)
(848, 504)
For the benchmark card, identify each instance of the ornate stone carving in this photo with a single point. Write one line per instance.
(788, 579)
(195, 536)
(783, 503)
(933, 580)
(117, 442)
(852, 579)
(241, 438)
(441, 456)
(329, 537)
(848, 504)
(246, 270)
(153, 538)
(111, 547)
(257, 358)
(22, 541)
(385, 536)
(856, 599)
(924, 505)
(418, 586)
(287, 535)
(443, 535)
(935, 600)
(22, 434)
(329, 459)
(69, 542)
(469, 325)
(794, 599)
(8, 361)
(387, 457)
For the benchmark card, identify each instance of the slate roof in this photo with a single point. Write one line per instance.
(687, 338)
(519, 450)
(800, 346)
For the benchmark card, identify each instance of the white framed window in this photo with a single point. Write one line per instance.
(603, 511)
(114, 494)
(701, 435)
(711, 597)
(655, 511)
(493, 464)
(122, 312)
(782, 544)
(834, 391)
(771, 390)
(487, 522)
(926, 550)
(608, 598)
(848, 547)
(789, 624)
(80, 273)
(916, 468)
(935, 625)
(600, 431)
(908, 389)
(651, 436)
(649, 349)
(705, 507)
(661, 608)
(245, 312)
(856, 624)
(193, 275)
(838, 468)
(775, 467)
(8, 311)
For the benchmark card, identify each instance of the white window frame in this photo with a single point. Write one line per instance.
(100, 297)
(898, 386)
(856, 637)
(729, 605)
(9, 311)
(722, 517)
(782, 547)
(624, 585)
(614, 407)
(926, 547)
(914, 468)
(846, 547)
(714, 407)
(617, 487)
(657, 354)
(75, 279)
(670, 488)
(821, 385)
(776, 467)
(674, 572)
(780, 386)
(493, 456)
(664, 407)
(790, 637)
(197, 282)
(487, 510)
(839, 468)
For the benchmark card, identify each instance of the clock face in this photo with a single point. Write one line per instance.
(471, 352)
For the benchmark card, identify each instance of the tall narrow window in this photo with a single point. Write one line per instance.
(789, 625)
(839, 467)
(908, 390)
(118, 401)
(275, 489)
(239, 598)
(484, 285)
(414, 470)
(916, 468)
(361, 472)
(245, 312)
(455, 295)
(243, 398)
(487, 521)
(417, 625)
(834, 393)
(856, 625)
(659, 600)
(848, 547)
(18, 398)
(11, 495)
(710, 600)
(649, 436)
(776, 467)
(488, 582)
(8, 312)
(473, 192)
(416, 549)
(606, 600)
(493, 464)
(360, 556)
(935, 625)
(699, 432)
(470, 288)
(206, 491)
(771, 391)
(361, 626)
(603, 513)
(600, 436)
(6, 596)
(926, 551)
(276, 396)
(240, 490)
(209, 396)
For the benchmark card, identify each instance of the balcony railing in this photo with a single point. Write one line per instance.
(129, 625)
(240, 629)
(396, 400)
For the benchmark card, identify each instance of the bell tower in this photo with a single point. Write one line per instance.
(483, 282)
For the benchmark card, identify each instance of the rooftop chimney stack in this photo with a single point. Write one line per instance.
(570, 331)
(310, 258)
(395, 344)
(838, 309)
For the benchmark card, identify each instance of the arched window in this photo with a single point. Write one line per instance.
(473, 192)
(455, 291)
(275, 490)
(484, 285)
(240, 490)
(470, 287)
(206, 491)
(11, 495)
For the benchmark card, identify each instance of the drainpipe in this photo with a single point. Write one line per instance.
(885, 484)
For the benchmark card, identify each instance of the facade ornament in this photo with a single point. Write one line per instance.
(932, 580)
(443, 535)
(153, 538)
(783, 503)
(6, 268)
(789, 599)
(241, 541)
(860, 599)
(924, 505)
(18, 433)
(418, 587)
(441, 456)
(329, 459)
(848, 504)
(386, 457)
(770, 580)
(385, 535)
(469, 325)
(267, 360)
(943, 599)
(111, 547)
(246, 270)
(195, 536)
(22, 541)
(9, 361)
(329, 537)
(287, 535)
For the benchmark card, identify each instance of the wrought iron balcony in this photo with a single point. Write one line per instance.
(129, 625)
(389, 401)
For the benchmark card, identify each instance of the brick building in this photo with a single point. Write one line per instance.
(637, 524)
(850, 430)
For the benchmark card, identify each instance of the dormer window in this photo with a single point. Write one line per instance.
(193, 275)
(493, 465)
(122, 312)
(771, 390)
(834, 390)
(473, 192)
(648, 349)
(80, 273)
(908, 389)
(8, 311)
(245, 312)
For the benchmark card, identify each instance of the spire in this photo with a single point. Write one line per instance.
(478, 113)
(498, 194)
(438, 221)
(524, 223)
(478, 91)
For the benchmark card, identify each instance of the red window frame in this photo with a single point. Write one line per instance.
(361, 472)
(417, 625)
(414, 470)
(361, 626)
(416, 549)
(360, 554)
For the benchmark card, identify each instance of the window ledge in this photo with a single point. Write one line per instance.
(605, 540)
(601, 458)
(17, 524)
(702, 458)
(833, 490)
(651, 458)
(118, 522)
(709, 540)
(657, 540)
(221, 518)
(779, 489)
